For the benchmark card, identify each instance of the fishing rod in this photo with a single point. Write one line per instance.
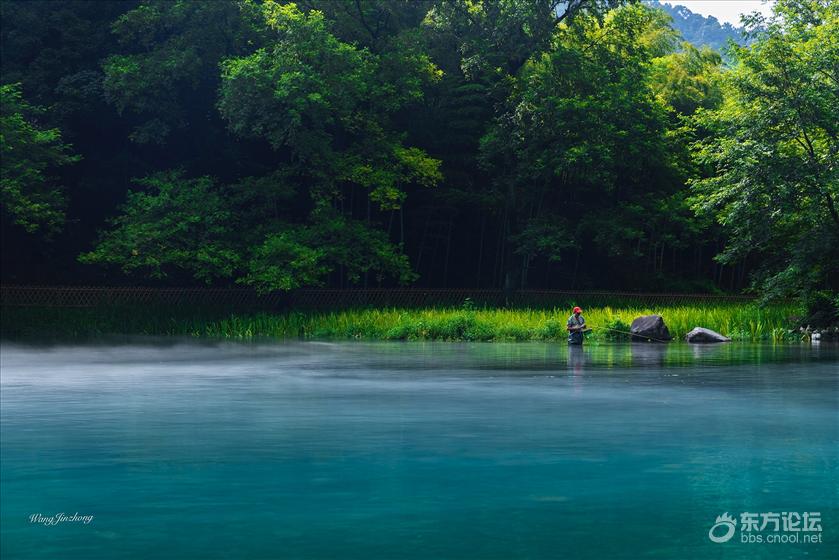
(633, 335)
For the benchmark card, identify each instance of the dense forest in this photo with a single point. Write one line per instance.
(463, 143)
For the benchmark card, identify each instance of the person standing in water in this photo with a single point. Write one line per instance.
(576, 326)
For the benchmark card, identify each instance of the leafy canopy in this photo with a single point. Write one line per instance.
(772, 148)
(329, 103)
(32, 197)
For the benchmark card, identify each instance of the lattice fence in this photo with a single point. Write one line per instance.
(97, 296)
(244, 298)
(413, 297)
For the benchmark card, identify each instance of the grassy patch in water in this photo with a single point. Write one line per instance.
(744, 322)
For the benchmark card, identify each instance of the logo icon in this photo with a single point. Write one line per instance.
(723, 521)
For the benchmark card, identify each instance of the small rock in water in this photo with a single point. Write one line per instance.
(702, 335)
(650, 328)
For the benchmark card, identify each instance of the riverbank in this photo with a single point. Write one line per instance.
(740, 322)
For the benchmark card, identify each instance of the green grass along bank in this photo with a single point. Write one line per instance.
(740, 322)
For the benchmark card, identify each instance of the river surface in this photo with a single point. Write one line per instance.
(183, 449)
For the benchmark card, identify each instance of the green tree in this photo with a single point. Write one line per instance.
(373, 24)
(167, 78)
(325, 107)
(177, 228)
(303, 255)
(174, 225)
(54, 49)
(772, 150)
(689, 79)
(582, 143)
(499, 36)
(31, 195)
(329, 105)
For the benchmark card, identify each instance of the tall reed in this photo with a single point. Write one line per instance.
(745, 322)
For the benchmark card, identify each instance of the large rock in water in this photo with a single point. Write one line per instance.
(702, 335)
(650, 328)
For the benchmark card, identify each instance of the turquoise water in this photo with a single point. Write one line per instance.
(413, 450)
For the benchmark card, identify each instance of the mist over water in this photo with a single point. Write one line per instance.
(184, 449)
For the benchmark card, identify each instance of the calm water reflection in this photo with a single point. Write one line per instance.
(413, 450)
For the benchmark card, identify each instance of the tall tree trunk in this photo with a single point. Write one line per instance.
(480, 250)
(422, 242)
(674, 260)
(498, 266)
(742, 280)
(448, 252)
(525, 267)
(661, 259)
(832, 209)
(436, 237)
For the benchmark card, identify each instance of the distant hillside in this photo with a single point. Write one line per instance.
(700, 30)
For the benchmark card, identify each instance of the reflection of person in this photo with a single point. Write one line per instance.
(576, 367)
(576, 325)
(576, 359)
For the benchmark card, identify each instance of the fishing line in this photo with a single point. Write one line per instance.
(633, 335)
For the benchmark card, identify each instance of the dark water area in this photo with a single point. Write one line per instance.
(183, 449)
